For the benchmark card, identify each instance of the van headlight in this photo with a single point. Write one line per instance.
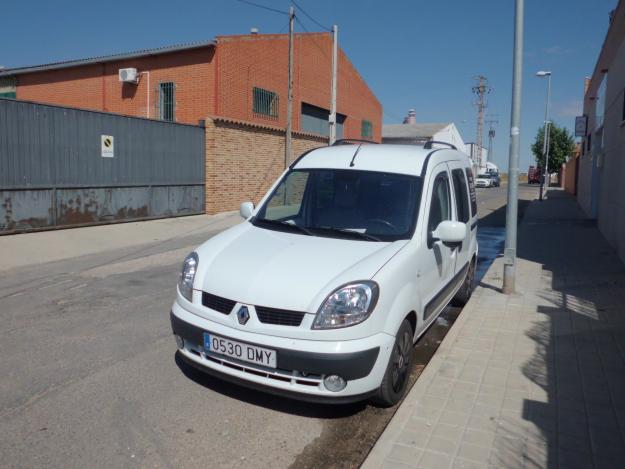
(347, 305)
(189, 268)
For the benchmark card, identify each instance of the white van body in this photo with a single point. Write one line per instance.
(354, 246)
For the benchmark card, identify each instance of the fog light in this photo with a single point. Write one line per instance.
(179, 341)
(334, 383)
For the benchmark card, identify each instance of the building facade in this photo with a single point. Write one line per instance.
(237, 77)
(601, 167)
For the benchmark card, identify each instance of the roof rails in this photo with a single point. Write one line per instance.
(429, 143)
(348, 141)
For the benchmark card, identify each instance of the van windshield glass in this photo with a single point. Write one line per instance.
(350, 204)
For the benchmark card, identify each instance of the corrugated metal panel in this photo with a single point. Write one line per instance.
(157, 168)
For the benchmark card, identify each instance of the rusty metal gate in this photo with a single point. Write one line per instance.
(67, 167)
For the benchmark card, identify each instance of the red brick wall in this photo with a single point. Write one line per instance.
(262, 61)
(209, 83)
(97, 86)
(244, 159)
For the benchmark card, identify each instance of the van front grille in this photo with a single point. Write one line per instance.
(280, 317)
(223, 305)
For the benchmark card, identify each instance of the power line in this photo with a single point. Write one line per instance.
(310, 17)
(314, 40)
(258, 5)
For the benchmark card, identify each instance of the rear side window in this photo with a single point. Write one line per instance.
(441, 204)
(461, 193)
(472, 192)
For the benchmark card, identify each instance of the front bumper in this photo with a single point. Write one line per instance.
(301, 364)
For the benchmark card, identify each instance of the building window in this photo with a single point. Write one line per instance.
(265, 103)
(315, 120)
(167, 101)
(366, 129)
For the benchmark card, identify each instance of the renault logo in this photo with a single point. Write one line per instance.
(243, 315)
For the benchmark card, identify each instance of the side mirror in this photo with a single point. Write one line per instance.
(246, 209)
(451, 233)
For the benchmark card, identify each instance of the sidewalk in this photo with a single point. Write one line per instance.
(536, 379)
(27, 249)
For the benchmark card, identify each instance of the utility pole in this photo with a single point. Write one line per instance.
(509, 254)
(332, 120)
(288, 153)
(546, 132)
(491, 121)
(481, 89)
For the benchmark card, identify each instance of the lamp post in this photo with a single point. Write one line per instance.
(509, 268)
(547, 131)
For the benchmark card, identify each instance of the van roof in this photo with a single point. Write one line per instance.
(401, 159)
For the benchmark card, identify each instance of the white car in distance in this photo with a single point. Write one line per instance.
(484, 180)
(321, 293)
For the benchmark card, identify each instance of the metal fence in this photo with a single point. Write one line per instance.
(66, 167)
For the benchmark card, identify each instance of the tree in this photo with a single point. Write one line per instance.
(561, 145)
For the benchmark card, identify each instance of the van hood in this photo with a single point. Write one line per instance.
(285, 270)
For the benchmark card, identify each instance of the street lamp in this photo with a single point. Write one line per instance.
(542, 74)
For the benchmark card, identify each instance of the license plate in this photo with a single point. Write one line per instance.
(246, 352)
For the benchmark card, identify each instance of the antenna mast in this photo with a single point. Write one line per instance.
(481, 89)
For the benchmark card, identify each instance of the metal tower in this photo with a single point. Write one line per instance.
(481, 89)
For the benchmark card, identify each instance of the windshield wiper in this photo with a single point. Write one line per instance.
(301, 229)
(357, 234)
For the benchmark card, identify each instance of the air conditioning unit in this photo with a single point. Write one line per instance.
(128, 75)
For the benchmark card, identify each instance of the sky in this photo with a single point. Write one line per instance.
(421, 54)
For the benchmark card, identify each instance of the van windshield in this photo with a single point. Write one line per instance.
(351, 204)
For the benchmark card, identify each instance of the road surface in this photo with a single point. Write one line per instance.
(90, 377)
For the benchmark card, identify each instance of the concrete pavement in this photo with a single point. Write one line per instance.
(535, 379)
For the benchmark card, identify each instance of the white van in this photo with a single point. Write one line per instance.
(322, 291)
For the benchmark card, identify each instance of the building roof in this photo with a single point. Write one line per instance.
(105, 58)
(411, 130)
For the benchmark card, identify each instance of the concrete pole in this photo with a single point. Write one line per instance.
(509, 271)
(332, 120)
(547, 173)
(288, 152)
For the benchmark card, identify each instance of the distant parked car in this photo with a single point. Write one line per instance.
(484, 180)
(533, 175)
(494, 175)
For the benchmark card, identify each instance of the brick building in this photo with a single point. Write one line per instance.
(243, 78)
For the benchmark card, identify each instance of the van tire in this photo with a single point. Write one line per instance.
(464, 294)
(398, 369)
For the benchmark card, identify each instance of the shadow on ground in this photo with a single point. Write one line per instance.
(577, 408)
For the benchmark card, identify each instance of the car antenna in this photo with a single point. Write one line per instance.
(351, 163)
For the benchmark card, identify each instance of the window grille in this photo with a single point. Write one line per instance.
(167, 102)
(265, 103)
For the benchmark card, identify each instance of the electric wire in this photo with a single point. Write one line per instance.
(258, 5)
(314, 40)
(310, 17)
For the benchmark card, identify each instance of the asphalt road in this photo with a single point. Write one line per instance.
(90, 378)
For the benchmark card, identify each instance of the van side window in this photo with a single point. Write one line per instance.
(472, 192)
(440, 208)
(461, 193)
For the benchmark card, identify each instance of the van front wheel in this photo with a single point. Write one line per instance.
(397, 374)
